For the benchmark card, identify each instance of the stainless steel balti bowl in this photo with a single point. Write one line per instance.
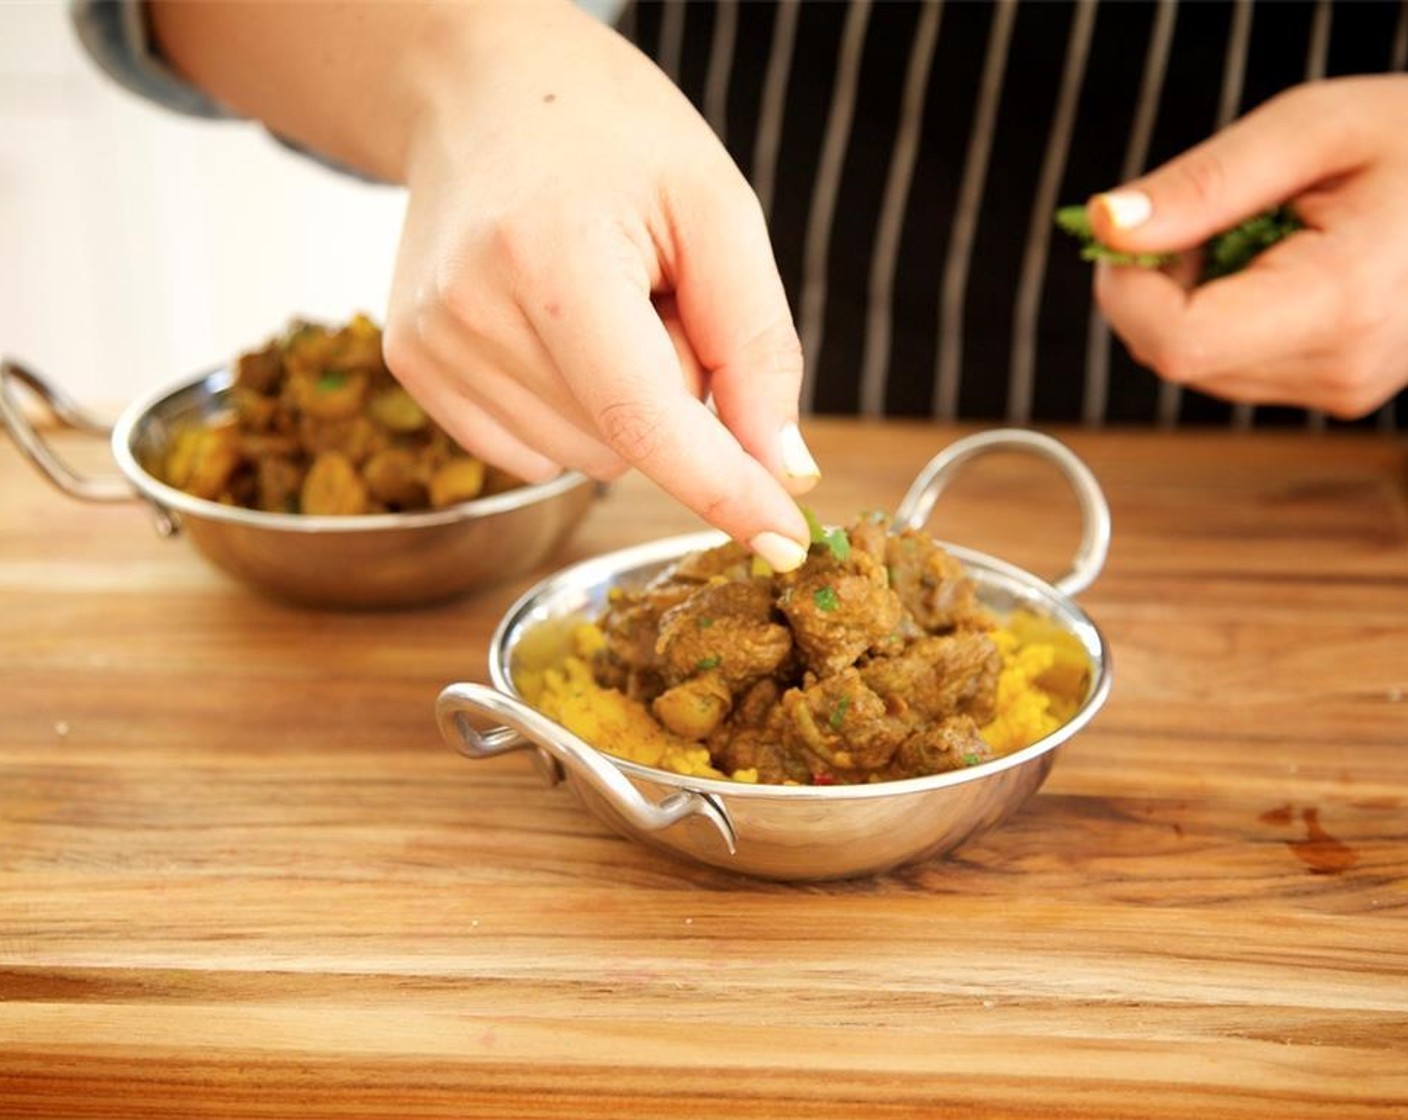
(377, 560)
(789, 831)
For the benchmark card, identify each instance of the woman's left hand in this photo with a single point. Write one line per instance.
(1319, 320)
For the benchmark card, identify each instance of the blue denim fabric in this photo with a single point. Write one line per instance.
(117, 37)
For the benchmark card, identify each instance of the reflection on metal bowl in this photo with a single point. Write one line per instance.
(786, 831)
(373, 561)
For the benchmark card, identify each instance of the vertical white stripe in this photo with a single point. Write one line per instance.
(1136, 155)
(774, 102)
(828, 185)
(721, 66)
(1233, 75)
(671, 38)
(1039, 227)
(879, 309)
(965, 218)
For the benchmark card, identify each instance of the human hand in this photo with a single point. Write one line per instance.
(1319, 320)
(582, 265)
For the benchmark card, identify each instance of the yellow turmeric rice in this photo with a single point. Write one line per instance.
(1042, 683)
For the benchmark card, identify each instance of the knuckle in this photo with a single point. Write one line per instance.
(502, 259)
(776, 352)
(1202, 177)
(631, 428)
(720, 508)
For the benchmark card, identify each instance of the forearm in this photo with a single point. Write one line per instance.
(350, 80)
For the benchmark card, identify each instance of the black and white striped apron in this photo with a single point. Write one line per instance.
(909, 157)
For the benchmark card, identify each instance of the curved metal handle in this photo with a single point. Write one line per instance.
(526, 728)
(918, 503)
(111, 488)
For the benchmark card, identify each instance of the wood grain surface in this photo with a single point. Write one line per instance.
(241, 876)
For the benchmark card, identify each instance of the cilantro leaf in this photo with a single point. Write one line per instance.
(1075, 221)
(834, 539)
(838, 714)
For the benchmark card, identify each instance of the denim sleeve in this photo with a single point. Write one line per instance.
(117, 36)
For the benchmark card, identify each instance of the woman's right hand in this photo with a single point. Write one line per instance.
(582, 266)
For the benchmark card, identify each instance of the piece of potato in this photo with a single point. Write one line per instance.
(333, 487)
(695, 709)
(394, 476)
(397, 411)
(203, 459)
(459, 480)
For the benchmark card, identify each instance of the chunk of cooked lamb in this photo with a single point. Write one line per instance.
(939, 676)
(842, 722)
(725, 627)
(938, 748)
(932, 584)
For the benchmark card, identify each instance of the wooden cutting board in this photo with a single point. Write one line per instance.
(241, 876)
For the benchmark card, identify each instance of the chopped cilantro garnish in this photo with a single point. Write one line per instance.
(839, 712)
(971, 760)
(709, 662)
(834, 539)
(826, 598)
(331, 380)
(704, 622)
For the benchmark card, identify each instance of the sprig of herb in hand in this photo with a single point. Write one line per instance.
(1233, 250)
(1224, 254)
(1075, 221)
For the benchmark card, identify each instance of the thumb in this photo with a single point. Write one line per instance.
(1268, 157)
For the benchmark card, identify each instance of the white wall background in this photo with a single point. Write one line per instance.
(138, 246)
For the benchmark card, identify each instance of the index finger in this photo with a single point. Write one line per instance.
(597, 321)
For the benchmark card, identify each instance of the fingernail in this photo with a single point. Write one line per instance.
(1126, 208)
(783, 554)
(797, 459)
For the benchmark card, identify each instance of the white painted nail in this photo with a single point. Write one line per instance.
(1126, 208)
(797, 458)
(783, 554)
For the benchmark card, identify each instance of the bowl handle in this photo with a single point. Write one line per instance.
(918, 503)
(110, 488)
(523, 728)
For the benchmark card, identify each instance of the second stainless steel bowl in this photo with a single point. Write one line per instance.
(380, 560)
